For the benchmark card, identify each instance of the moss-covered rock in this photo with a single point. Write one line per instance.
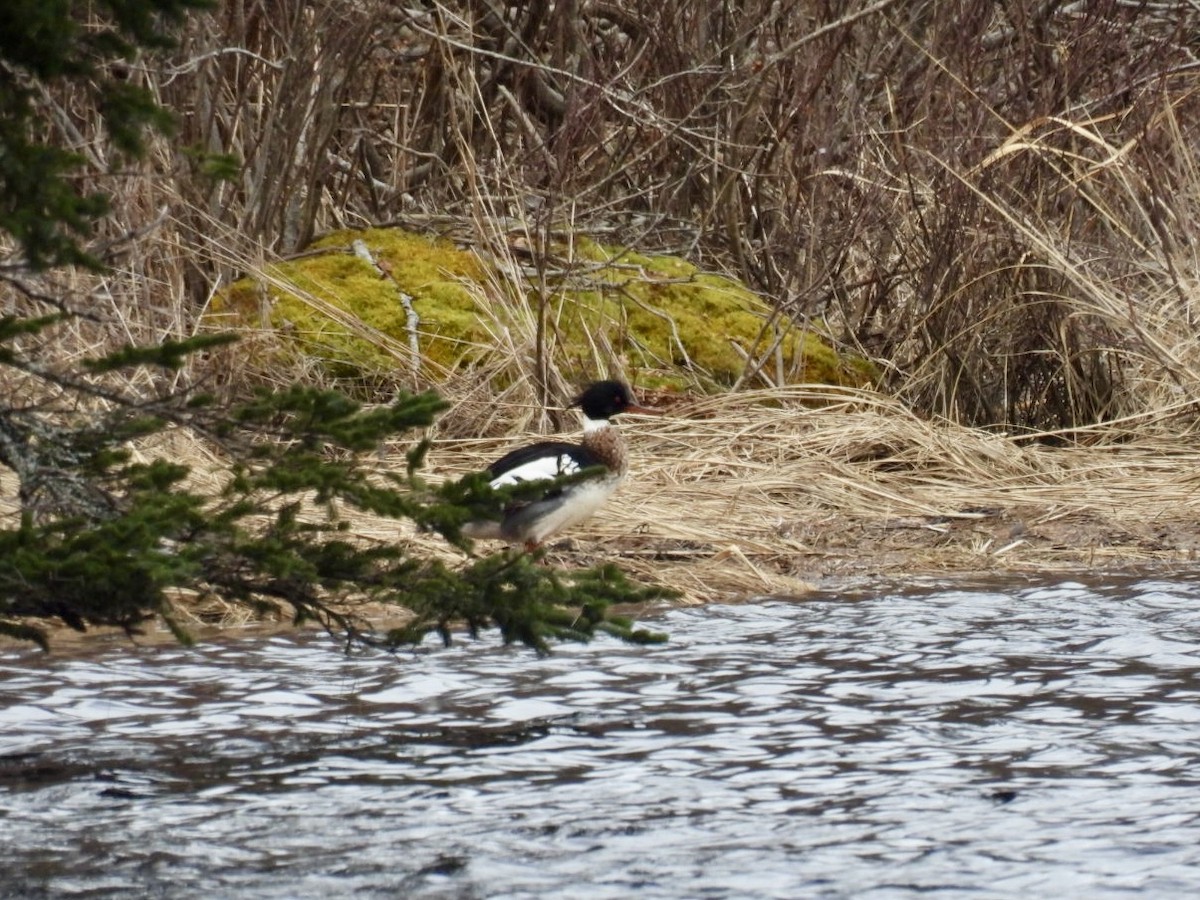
(600, 308)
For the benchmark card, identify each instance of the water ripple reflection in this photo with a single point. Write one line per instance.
(986, 742)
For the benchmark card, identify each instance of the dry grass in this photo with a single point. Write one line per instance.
(993, 202)
(771, 492)
(775, 492)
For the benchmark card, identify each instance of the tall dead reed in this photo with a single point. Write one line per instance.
(993, 202)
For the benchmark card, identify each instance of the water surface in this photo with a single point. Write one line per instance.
(983, 742)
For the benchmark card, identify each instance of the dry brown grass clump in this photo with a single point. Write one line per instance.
(772, 492)
(995, 202)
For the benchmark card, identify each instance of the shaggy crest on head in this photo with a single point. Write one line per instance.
(531, 522)
(604, 399)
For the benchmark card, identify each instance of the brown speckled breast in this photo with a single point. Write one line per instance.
(609, 447)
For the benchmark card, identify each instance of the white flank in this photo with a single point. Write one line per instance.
(581, 502)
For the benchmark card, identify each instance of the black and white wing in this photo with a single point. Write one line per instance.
(543, 461)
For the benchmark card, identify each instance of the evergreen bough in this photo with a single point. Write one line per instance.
(106, 538)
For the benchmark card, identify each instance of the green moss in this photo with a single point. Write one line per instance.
(664, 320)
(677, 316)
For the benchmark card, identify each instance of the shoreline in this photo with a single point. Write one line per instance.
(741, 496)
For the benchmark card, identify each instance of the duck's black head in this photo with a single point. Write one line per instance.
(605, 399)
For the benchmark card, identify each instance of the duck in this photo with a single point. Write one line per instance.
(602, 447)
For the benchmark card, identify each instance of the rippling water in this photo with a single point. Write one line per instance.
(1024, 742)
